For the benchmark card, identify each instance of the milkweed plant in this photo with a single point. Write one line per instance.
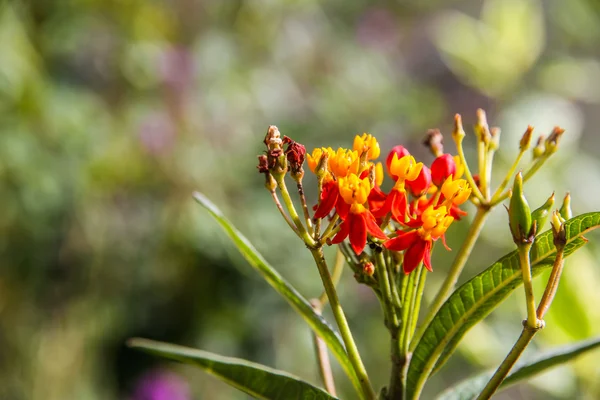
(386, 240)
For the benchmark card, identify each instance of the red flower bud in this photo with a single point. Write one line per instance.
(401, 152)
(419, 186)
(441, 168)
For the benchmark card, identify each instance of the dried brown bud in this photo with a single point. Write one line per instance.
(435, 142)
(263, 164)
(295, 153)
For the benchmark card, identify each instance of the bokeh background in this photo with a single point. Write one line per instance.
(113, 112)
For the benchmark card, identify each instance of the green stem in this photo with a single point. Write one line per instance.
(305, 207)
(532, 321)
(530, 172)
(507, 178)
(418, 298)
(329, 230)
(510, 360)
(407, 307)
(367, 390)
(391, 318)
(282, 211)
(338, 268)
(396, 386)
(468, 175)
(455, 271)
(287, 200)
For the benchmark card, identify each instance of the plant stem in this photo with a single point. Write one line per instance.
(552, 286)
(391, 318)
(367, 390)
(282, 211)
(305, 207)
(457, 267)
(510, 360)
(509, 174)
(323, 355)
(396, 385)
(530, 172)
(418, 298)
(338, 268)
(468, 175)
(287, 200)
(532, 321)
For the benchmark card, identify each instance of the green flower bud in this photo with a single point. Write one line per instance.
(519, 213)
(558, 230)
(540, 215)
(565, 209)
(553, 140)
(540, 148)
(482, 130)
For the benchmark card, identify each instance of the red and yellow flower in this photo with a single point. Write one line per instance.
(357, 219)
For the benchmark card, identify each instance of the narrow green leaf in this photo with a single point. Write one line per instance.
(528, 368)
(475, 299)
(296, 300)
(254, 379)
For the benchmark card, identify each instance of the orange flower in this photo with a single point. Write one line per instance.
(417, 243)
(357, 219)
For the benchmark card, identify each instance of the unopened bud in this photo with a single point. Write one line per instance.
(539, 148)
(482, 129)
(526, 139)
(553, 140)
(540, 215)
(434, 141)
(321, 169)
(273, 137)
(565, 209)
(519, 213)
(270, 182)
(263, 164)
(369, 269)
(495, 138)
(458, 133)
(558, 230)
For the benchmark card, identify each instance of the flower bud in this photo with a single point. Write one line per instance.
(400, 151)
(458, 133)
(419, 186)
(482, 130)
(565, 209)
(270, 182)
(558, 230)
(441, 168)
(321, 168)
(526, 139)
(369, 269)
(540, 215)
(434, 141)
(495, 138)
(553, 139)
(263, 164)
(519, 213)
(539, 148)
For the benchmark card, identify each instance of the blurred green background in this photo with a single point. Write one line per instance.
(113, 112)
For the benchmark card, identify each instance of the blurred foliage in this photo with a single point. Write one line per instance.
(112, 112)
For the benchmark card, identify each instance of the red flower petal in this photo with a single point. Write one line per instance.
(402, 242)
(399, 206)
(414, 255)
(342, 208)
(342, 233)
(427, 256)
(358, 232)
(376, 198)
(329, 197)
(372, 226)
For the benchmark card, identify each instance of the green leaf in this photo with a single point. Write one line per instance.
(475, 299)
(528, 368)
(296, 300)
(254, 379)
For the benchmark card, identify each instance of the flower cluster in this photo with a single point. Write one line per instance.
(417, 211)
